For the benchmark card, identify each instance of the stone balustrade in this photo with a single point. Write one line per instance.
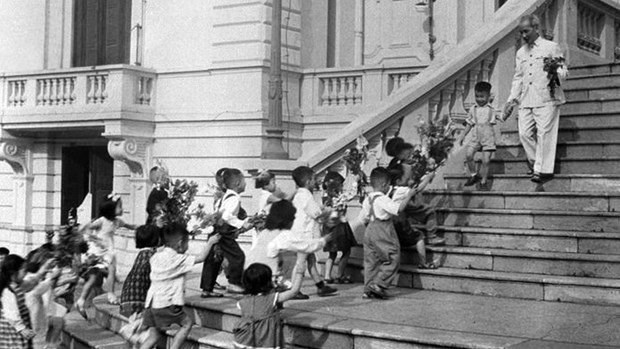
(589, 28)
(76, 94)
(334, 90)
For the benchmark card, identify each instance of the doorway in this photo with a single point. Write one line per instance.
(85, 170)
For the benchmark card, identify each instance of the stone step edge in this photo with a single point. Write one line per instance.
(498, 252)
(604, 87)
(575, 101)
(569, 128)
(433, 337)
(505, 276)
(521, 158)
(564, 143)
(524, 176)
(592, 76)
(75, 330)
(435, 192)
(528, 232)
(527, 212)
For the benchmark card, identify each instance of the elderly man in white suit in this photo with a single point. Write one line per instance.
(539, 109)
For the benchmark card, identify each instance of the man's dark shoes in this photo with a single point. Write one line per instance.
(207, 294)
(376, 292)
(326, 291)
(542, 177)
(301, 297)
(472, 180)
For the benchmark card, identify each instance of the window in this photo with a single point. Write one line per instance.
(499, 3)
(101, 32)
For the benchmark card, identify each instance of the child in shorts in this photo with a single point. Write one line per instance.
(482, 120)
(164, 299)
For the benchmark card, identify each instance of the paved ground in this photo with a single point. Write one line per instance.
(545, 324)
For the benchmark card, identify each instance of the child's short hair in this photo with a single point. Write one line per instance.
(281, 215)
(219, 176)
(231, 177)
(4, 251)
(301, 175)
(379, 176)
(396, 172)
(390, 146)
(36, 258)
(257, 278)
(401, 147)
(175, 232)
(263, 179)
(147, 236)
(107, 208)
(482, 86)
(332, 179)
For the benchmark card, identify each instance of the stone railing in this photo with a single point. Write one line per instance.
(333, 90)
(590, 25)
(444, 88)
(76, 91)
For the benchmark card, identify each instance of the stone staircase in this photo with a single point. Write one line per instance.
(556, 242)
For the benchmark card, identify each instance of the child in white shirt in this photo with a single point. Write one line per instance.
(165, 297)
(381, 245)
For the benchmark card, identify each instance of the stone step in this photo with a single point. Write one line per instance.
(79, 334)
(305, 329)
(108, 320)
(566, 149)
(515, 261)
(514, 200)
(600, 105)
(571, 133)
(530, 219)
(609, 92)
(594, 69)
(561, 183)
(533, 239)
(592, 81)
(507, 285)
(581, 165)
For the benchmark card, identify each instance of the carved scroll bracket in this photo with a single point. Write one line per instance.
(134, 152)
(18, 155)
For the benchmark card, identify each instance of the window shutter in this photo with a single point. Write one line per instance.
(117, 30)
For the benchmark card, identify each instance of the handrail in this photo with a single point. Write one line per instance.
(440, 83)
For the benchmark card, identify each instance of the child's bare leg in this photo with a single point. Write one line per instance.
(420, 247)
(342, 265)
(152, 339)
(471, 165)
(329, 265)
(181, 335)
(88, 286)
(110, 281)
(54, 330)
(484, 167)
(312, 269)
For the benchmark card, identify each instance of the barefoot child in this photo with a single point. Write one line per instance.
(381, 246)
(482, 119)
(337, 225)
(101, 258)
(307, 224)
(164, 299)
(260, 325)
(15, 324)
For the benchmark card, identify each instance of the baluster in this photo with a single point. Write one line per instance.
(40, 91)
(11, 93)
(72, 96)
(148, 90)
(403, 80)
(350, 96)
(358, 90)
(324, 100)
(97, 96)
(433, 103)
(341, 91)
(395, 83)
(459, 104)
(63, 91)
(104, 88)
(22, 92)
(485, 67)
(46, 91)
(90, 96)
(333, 92)
(447, 95)
(140, 96)
(53, 87)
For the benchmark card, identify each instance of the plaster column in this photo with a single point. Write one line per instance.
(19, 157)
(358, 58)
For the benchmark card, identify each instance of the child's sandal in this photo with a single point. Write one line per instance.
(329, 281)
(430, 265)
(344, 280)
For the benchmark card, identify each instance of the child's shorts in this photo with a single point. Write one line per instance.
(163, 318)
(483, 139)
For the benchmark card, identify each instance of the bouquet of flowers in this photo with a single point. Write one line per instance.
(181, 194)
(551, 66)
(353, 159)
(258, 220)
(437, 141)
(200, 220)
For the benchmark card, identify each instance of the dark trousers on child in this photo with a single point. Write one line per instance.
(381, 254)
(418, 213)
(227, 248)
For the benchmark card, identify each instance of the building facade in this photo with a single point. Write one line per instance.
(95, 92)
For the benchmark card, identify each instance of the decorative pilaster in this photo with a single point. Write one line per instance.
(136, 154)
(19, 156)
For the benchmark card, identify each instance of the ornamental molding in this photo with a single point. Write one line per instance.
(134, 152)
(18, 155)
